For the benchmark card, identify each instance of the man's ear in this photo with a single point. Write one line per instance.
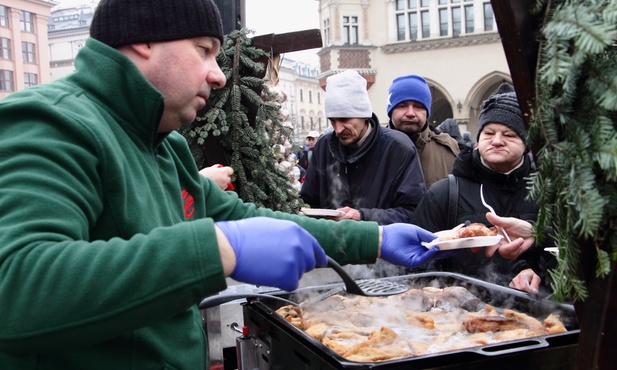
(144, 50)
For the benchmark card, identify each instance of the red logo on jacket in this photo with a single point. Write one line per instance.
(189, 204)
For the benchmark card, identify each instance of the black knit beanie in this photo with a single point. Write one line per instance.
(502, 107)
(123, 22)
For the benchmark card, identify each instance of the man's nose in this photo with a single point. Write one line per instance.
(216, 78)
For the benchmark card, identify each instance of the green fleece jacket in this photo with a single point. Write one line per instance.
(107, 239)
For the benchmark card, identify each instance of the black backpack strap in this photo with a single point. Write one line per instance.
(452, 200)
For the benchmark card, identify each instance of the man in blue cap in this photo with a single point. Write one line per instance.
(409, 106)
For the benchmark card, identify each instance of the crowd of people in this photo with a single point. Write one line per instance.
(352, 174)
(110, 235)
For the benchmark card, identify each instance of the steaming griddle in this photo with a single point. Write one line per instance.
(280, 345)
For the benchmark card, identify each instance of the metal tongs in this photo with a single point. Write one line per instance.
(503, 231)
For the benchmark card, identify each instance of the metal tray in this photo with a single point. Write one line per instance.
(281, 345)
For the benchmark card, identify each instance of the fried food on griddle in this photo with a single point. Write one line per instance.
(553, 325)
(293, 314)
(318, 331)
(531, 322)
(479, 323)
(381, 345)
(417, 322)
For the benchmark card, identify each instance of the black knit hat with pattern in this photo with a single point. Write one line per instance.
(123, 22)
(502, 107)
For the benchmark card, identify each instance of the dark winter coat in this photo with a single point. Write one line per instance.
(383, 179)
(437, 152)
(303, 159)
(506, 194)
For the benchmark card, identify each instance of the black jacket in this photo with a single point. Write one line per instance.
(506, 194)
(383, 179)
(303, 159)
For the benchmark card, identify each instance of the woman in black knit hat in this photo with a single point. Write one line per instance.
(500, 166)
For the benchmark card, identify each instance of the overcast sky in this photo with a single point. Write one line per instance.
(274, 16)
(282, 16)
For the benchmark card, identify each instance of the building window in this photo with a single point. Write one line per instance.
(326, 31)
(426, 24)
(4, 16)
(453, 16)
(412, 19)
(6, 80)
(318, 98)
(413, 26)
(401, 27)
(444, 22)
(28, 52)
(456, 21)
(302, 122)
(30, 79)
(301, 95)
(310, 96)
(469, 21)
(350, 30)
(26, 21)
(5, 48)
(488, 17)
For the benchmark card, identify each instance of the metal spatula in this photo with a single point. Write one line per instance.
(367, 287)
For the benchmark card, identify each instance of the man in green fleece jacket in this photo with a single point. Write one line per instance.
(109, 236)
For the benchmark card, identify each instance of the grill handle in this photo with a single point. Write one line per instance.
(216, 300)
(505, 348)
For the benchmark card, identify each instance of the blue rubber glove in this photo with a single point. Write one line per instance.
(272, 252)
(400, 245)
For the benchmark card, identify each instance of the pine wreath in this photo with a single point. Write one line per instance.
(249, 146)
(574, 122)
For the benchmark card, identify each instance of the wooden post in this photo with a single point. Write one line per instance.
(518, 29)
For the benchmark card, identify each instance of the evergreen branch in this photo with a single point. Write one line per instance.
(248, 144)
(574, 124)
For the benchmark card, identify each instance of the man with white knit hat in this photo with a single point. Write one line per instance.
(365, 171)
(409, 106)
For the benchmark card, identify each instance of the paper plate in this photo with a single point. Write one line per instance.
(321, 212)
(474, 242)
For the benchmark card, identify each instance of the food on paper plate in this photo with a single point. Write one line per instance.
(471, 231)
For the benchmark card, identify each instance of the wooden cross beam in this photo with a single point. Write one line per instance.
(277, 44)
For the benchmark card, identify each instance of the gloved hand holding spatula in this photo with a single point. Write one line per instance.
(258, 245)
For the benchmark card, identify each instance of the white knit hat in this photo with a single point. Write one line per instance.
(346, 96)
